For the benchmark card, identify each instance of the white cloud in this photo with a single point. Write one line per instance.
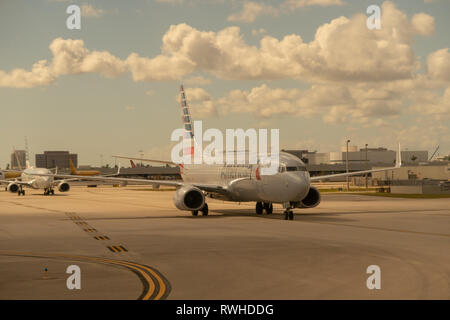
(307, 3)
(343, 50)
(438, 65)
(201, 103)
(251, 10)
(20, 78)
(197, 81)
(90, 11)
(423, 24)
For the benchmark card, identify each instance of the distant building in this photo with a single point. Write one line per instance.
(53, 159)
(18, 159)
(433, 171)
(371, 156)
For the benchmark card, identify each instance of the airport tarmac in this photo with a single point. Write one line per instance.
(133, 243)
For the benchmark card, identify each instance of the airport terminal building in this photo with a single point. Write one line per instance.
(53, 159)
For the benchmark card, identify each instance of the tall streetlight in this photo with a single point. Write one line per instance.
(142, 156)
(346, 166)
(367, 165)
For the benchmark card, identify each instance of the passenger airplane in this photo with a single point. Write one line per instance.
(290, 186)
(36, 178)
(75, 172)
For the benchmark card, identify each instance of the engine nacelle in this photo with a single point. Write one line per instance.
(189, 198)
(12, 187)
(63, 187)
(311, 200)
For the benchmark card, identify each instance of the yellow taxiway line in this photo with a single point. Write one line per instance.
(148, 275)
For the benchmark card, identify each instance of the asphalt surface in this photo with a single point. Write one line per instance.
(131, 243)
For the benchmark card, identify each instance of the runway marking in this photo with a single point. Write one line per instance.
(155, 285)
(116, 249)
(101, 238)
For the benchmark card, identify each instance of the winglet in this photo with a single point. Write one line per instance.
(398, 160)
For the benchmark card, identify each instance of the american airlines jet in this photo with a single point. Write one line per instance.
(290, 186)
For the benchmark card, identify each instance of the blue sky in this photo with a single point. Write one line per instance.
(313, 90)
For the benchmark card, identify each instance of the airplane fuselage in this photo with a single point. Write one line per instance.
(245, 183)
(37, 182)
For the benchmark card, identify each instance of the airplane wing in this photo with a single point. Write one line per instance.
(212, 188)
(67, 177)
(398, 163)
(355, 173)
(148, 160)
(15, 181)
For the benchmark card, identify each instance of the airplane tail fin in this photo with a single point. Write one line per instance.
(398, 160)
(132, 164)
(188, 149)
(72, 167)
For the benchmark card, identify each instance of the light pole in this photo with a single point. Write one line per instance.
(367, 165)
(142, 155)
(346, 166)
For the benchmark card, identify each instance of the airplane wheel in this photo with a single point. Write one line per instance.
(259, 208)
(195, 213)
(205, 210)
(291, 215)
(268, 207)
(52, 192)
(286, 215)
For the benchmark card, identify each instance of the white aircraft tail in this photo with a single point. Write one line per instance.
(398, 160)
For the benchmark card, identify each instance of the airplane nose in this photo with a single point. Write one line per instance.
(299, 184)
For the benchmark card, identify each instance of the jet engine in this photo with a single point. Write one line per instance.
(12, 187)
(63, 187)
(189, 198)
(311, 200)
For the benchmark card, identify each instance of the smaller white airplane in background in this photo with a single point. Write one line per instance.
(40, 178)
(29, 179)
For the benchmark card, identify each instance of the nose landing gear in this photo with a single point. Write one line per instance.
(21, 191)
(288, 213)
(49, 191)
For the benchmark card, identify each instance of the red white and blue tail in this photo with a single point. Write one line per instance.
(188, 124)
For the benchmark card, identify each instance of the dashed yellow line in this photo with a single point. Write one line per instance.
(117, 248)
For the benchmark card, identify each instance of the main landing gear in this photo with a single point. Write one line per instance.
(20, 191)
(49, 191)
(288, 213)
(204, 210)
(266, 206)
